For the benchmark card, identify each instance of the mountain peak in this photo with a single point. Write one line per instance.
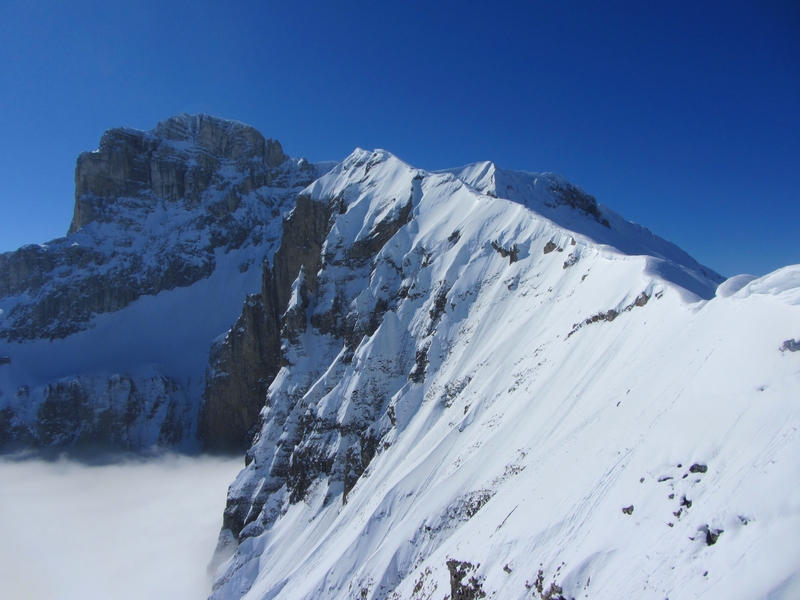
(221, 137)
(177, 159)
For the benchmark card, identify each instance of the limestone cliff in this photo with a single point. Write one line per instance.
(170, 230)
(246, 361)
(151, 208)
(178, 160)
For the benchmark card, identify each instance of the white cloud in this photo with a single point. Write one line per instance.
(131, 530)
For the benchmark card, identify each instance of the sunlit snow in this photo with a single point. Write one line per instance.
(589, 419)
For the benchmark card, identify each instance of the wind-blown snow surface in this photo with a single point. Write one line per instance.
(125, 530)
(559, 389)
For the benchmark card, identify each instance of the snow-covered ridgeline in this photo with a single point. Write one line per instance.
(475, 400)
(550, 195)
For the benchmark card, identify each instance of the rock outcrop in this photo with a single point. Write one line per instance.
(246, 361)
(177, 161)
(242, 366)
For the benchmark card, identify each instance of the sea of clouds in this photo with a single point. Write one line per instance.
(129, 529)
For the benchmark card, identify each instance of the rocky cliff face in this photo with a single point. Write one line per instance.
(151, 209)
(242, 366)
(178, 161)
(247, 360)
(196, 199)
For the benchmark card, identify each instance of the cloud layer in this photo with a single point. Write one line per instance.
(132, 530)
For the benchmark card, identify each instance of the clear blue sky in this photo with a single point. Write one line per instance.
(681, 116)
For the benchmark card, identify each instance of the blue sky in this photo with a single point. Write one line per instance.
(681, 116)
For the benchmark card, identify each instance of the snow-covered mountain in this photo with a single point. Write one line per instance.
(105, 333)
(468, 383)
(484, 397)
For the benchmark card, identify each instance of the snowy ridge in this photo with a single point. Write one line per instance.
(550, 195)
(474, 392)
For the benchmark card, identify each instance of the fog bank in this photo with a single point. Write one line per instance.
(132, 530)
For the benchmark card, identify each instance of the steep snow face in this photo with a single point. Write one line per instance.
(478, 399)
(104, 334)
(570, 207)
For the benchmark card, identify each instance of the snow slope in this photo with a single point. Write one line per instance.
(468, 408)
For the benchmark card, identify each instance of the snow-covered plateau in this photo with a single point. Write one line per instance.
(468, 383)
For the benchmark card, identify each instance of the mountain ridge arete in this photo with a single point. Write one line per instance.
(471, 382)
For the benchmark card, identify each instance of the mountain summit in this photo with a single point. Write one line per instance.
(107, 330)
(467, 383)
